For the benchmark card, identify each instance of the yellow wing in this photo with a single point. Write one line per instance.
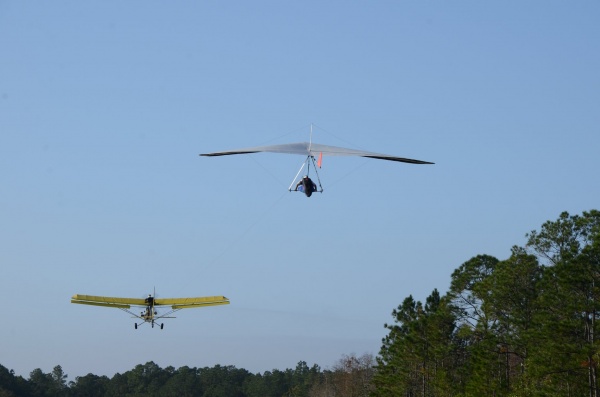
(188, 303)
(108, 301)
(126, 303)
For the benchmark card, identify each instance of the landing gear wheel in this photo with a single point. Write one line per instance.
(135, 325)
(161, 326)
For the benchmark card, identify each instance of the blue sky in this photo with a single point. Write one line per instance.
(105, 106)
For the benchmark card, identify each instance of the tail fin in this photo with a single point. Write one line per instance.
(320, 161)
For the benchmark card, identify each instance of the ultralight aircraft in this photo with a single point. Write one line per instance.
(312, 151)
(150, 304)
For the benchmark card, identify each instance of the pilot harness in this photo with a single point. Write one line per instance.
(309, 159)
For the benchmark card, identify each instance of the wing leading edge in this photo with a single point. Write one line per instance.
(314, 149)
(108, 301)
(189, 303)
(126, 303)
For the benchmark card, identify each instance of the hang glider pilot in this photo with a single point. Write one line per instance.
(306, 185)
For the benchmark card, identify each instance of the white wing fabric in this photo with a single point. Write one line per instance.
(315, 149)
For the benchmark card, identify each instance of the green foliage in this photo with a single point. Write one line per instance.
(89, 385)
(566, 347)
(525, 326)
(219, 381)
(417, 354)
(351, 376)
(53, 384)
(11, 385)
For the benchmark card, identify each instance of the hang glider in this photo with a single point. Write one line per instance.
(315, 150)
(150, 304)
(312, 151)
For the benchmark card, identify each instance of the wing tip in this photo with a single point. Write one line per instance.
(399, 159)
(216, 154)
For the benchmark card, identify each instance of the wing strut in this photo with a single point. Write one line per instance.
(316, 172)
(299, 171)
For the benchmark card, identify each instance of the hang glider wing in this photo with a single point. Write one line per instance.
(189, 303)
(315, 149)
(126, 303)
(107, 301)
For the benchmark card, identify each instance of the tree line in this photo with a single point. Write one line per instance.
(523, 326)
(351, 376)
